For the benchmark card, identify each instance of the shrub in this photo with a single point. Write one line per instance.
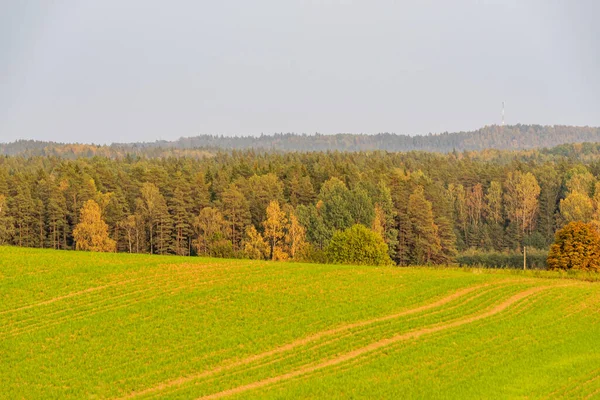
(576, 246)
(536, 259)
(358, 245)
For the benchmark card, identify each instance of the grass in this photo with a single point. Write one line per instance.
(110, 326)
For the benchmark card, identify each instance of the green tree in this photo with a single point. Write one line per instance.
(155, 211)
(426, 244)
(210, 226)
(358, 245)
(580, 180)
(6, 223)
(493, 203)
(301, 191)
(262, 189)
(181, 213)
(317, 233)
(334, 196)
(577, 206)
(237, 214)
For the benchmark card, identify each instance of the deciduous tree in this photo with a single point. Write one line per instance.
(91, 233)
(577, 246)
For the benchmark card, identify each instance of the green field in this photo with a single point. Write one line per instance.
(86, 326)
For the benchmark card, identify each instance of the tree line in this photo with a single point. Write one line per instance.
(509, 137)
(426, 207)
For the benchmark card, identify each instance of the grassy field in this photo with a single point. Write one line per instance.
(86, 326)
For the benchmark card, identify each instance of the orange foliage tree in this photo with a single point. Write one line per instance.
(91, 233)
(577, 246)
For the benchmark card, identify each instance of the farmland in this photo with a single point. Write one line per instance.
(118, 326)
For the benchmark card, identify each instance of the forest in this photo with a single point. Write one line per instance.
(427, 207)
(513, 137)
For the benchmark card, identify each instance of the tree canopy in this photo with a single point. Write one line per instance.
(91, 233)
(577, 246)
(358, 245)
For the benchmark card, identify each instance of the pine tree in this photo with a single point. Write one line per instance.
(22, 211)
(301, 191)
(154, 209)
(405, 240)
(200, 194)
(116, 212)
(426, 244)
(56, 213)
(383, 201)
(261, 190)
(182, 217)
(6, 222)
(236, 212)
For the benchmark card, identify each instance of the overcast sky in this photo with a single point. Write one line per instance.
(123, 70)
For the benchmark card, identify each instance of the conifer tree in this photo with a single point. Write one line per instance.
(236, 212)
(154, 209)
(6, 223)
(262, 189)
(56, 213)
(383, 201)
(181, 215)
(426, 244)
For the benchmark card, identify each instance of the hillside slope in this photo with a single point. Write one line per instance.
(516, 137)
(83, 325)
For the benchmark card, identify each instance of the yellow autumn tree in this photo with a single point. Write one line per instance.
(91, 233)
(296, 238)
(275, 231)
(577, 206)
(378, 225)
(521, 198)
(255, 246)
(577, 246)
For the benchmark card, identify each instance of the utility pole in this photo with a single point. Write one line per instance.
(524, 257)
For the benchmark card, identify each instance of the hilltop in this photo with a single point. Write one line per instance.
(515, 137)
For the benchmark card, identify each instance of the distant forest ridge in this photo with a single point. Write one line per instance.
(513, 137)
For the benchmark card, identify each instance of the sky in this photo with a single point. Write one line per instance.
(141, 70)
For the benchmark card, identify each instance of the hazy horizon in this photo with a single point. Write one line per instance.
(104, 72)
